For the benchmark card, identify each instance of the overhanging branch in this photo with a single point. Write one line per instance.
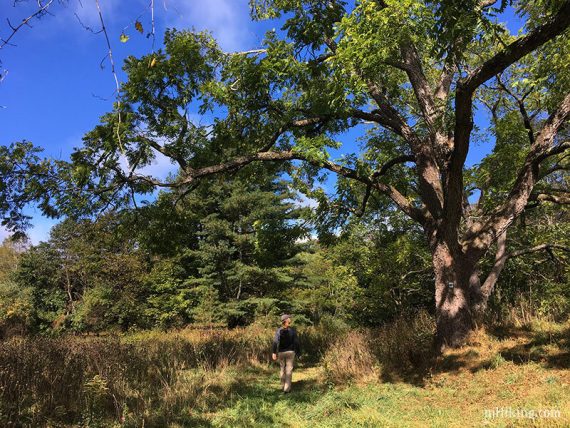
(481, 235)
(279, 156)
(467, 86)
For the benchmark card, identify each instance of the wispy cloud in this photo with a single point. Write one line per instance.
(88, 14)
(3, 233)
(305, 201)
(228, 20)
(159, 168)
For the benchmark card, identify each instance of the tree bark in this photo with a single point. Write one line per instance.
(454, 297)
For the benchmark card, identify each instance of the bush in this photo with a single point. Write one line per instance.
(16, 309)
(403, 346)
(406, 343)
(350, 358)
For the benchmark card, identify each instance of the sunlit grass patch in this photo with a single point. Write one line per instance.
(226, 378)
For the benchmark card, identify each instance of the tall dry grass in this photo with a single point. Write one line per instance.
(401, 347)
(350, 359)
(152, 376)
(47, 381)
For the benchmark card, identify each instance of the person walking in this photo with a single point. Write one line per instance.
(285, 348)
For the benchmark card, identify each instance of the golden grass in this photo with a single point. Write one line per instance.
(197, 377)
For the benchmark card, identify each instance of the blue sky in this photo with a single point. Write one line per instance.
(55, 90)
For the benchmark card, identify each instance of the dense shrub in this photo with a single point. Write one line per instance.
(406, 342)
(350, 358)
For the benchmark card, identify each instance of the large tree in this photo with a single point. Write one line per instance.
(408, 72)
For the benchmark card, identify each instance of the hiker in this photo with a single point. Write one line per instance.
(285, 347)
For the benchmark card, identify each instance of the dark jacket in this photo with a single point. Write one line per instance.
(286, 339)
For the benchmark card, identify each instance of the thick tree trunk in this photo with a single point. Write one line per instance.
(454, 297)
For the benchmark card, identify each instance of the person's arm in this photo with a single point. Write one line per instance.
(275, 346)
(296, 344)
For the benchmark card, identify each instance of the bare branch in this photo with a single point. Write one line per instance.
(26, 21)
(110, 54)
(86, 27)
(397, 160)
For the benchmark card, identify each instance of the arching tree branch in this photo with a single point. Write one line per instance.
(481, 235)
(464, 99)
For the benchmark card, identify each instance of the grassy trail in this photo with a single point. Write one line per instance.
(456, 396)
(210, 379)
(448, 401)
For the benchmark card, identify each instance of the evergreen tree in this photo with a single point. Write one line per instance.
(232, 242)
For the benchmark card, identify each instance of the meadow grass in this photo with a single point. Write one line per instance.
(224, 378)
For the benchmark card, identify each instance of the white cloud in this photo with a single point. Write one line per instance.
(160, 167)
(3, 233)
(305, 201)
(87, 13)
(228, 20)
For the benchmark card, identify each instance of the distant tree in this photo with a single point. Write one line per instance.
(392, 264)
(10, 251)
(87, 276)
(16, 309)
(324, 288)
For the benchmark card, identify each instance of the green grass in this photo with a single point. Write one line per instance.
(220, 379)
(490, 373)
(454, 400)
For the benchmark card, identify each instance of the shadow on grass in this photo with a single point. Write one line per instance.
(185, 421)
(255, 397)
(539, 350)
(549, 349)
